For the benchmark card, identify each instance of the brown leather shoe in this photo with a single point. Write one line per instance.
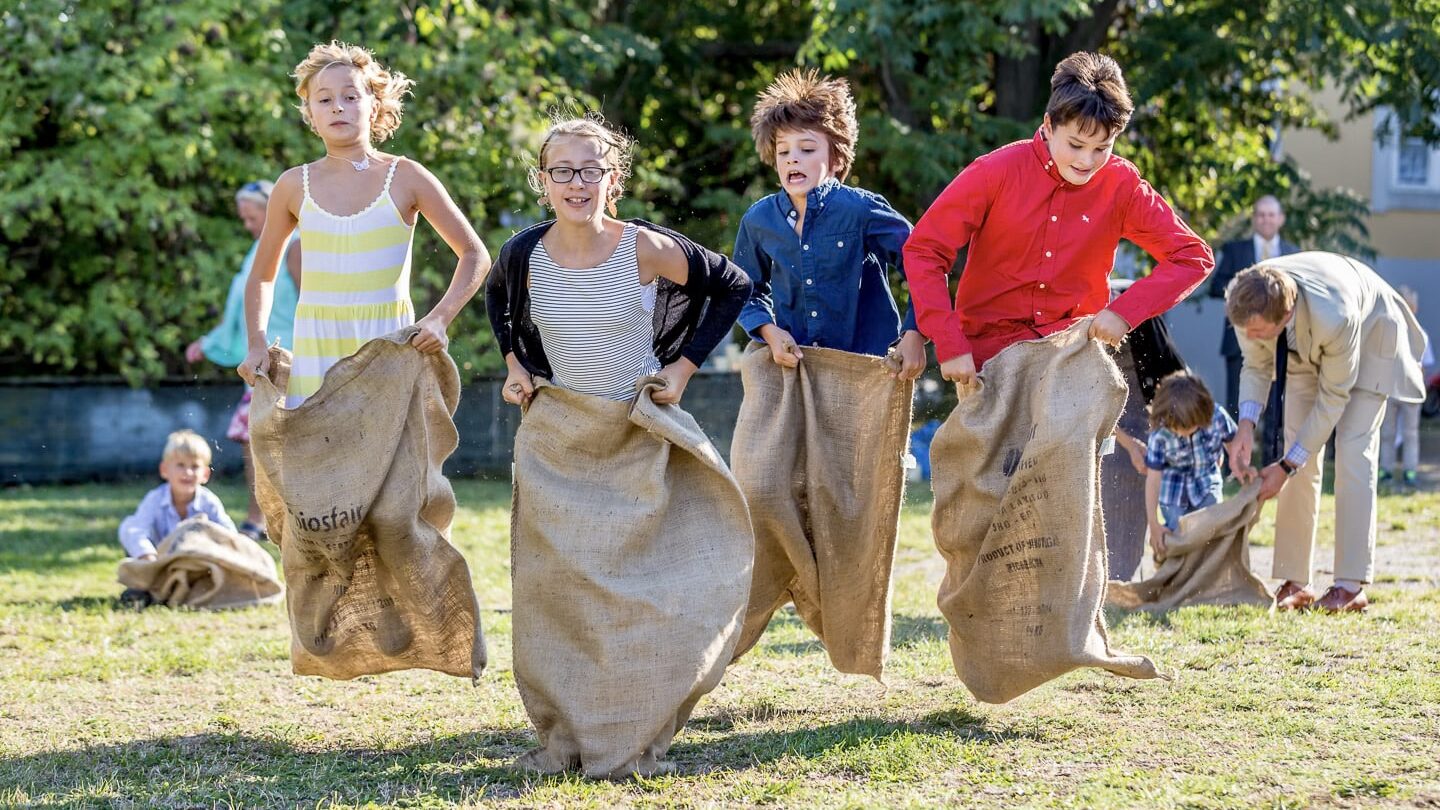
(1339, 600)
(1290, 596)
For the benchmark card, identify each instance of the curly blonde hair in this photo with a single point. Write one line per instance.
(617, 147)
(803, 99)
(389, 88)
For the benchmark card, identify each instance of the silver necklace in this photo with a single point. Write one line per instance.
(357, 165)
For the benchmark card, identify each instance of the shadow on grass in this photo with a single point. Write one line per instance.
(743, 751)
(905, 631)
(245, 769)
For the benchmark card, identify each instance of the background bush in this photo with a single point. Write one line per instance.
(128, 124)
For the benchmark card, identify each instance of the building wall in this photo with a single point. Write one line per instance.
(1404, 232)
(1406, 240)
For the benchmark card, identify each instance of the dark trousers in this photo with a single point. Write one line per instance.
(1233, 364)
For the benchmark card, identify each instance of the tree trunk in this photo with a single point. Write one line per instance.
(1022, 85)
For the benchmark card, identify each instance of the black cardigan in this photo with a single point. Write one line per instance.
(690, 320)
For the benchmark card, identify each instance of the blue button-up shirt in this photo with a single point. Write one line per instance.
(828, 286)
(156, 517)
(1190, 465)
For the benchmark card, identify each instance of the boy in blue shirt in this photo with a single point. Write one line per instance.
(1188, 434)
(818, 253)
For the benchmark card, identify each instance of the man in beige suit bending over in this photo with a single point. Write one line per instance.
(1351, 343)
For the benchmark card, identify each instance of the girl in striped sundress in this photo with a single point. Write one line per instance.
(356, 210)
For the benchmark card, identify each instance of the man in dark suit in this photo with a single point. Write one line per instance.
(1266, 219)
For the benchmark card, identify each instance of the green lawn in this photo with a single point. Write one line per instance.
(101, 706)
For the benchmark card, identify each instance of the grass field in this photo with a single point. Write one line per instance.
(104, 706)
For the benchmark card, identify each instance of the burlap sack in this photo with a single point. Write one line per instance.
(1206, 563)
(818, 453)
(631, 552)
(352, 490)
(205, 565)
(1017, 517)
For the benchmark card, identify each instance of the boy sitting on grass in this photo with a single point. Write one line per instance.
(185, 466)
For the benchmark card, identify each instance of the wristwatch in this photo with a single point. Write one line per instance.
(1289, 467)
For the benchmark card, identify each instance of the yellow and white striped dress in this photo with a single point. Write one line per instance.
(355, 285)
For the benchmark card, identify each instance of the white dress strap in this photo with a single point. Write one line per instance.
(390, 175)
(305, 178)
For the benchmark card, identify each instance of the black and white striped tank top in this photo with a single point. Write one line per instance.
(596, 323)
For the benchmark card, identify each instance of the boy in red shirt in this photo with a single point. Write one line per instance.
(1042, 219)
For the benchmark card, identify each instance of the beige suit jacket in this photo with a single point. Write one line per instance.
(1353, 328)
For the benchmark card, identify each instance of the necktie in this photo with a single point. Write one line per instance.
(1275, 407)
(1264, 251)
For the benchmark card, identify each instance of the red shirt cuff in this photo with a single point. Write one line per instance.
(951, 344)
(1132, 311)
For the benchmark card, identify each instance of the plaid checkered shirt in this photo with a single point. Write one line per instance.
(1189, 465)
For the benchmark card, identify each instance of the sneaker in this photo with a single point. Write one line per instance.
(254, 532)
(136, 599)
(1411, 478)
(1384, 480)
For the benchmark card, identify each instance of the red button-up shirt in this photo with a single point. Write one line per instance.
(1041, 251)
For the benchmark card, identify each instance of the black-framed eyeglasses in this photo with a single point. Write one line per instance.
(589, 174)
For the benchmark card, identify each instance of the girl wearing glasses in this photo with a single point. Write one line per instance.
(225, 345)
(577, 299)
(356, 209)
(593, 304)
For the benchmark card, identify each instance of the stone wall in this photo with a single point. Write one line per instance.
(57, 432)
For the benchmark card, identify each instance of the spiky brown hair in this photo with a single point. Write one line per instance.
(803, 99)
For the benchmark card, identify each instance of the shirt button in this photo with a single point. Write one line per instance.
(841, 243)
(1047, 254)
(1053, 218)
(807, 247)
(1037, 313)
(809, 281)
(1042, 285)
(814, 314)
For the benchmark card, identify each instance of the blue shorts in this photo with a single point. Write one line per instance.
(1172, 514)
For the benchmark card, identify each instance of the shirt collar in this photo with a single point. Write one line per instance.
(170, 503)
(814, 200)
(1273, 242)
(1042, 154)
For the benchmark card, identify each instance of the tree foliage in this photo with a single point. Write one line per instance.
(128, 124)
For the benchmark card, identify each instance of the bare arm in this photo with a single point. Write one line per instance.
(660, 257)
(1134, 448)
(433, 202)
(1152, 509)
(280, 220)
(292, 261)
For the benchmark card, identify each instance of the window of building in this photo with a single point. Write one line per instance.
(1406, 175)
(1412, 164)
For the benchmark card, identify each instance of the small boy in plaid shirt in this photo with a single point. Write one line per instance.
(1188, 434)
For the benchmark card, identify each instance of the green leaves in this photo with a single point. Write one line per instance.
(126, 125)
